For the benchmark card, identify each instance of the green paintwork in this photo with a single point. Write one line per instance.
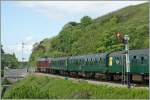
(59, 64)
(99, 62)
(87, 63)
(137, 66)
(87, 67)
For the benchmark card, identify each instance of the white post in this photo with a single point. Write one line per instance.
(126, 38)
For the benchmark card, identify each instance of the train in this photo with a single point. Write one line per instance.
(106, 66)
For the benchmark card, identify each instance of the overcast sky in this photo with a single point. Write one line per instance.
(32, 21)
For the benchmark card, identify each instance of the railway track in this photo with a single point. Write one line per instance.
(92, 81)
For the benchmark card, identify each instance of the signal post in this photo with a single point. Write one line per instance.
(125, 39)
(126, 42)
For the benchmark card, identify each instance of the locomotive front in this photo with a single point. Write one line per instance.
(43, 64)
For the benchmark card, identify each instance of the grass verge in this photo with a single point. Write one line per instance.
(44, 87)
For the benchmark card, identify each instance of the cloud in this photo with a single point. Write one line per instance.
(29, 38)
(65, 9)
(17, 48)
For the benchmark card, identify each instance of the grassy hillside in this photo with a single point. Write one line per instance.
(97, 35)
(43, 87)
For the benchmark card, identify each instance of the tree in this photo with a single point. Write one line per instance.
(86, 20)
(9, 60)
(2, 51)
(35, 45)
(73, 23)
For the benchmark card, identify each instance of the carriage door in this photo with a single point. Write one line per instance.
(66, 64)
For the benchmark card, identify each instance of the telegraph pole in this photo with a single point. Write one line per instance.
(22, 53)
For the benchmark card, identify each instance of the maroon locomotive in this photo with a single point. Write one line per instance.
(43, 64)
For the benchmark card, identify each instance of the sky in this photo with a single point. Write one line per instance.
(33, 21)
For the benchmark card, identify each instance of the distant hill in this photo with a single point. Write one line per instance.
(97, 35)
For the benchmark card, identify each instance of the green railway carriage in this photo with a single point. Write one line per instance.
(139, 61)
(116, 62)
(110, 65)
(88, 63)
(59, 63)
(75, 63)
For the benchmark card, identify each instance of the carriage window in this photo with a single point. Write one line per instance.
(134, 60)
(104, 60)
(100, 60)
(83, 61)
(117, 60)
(76, 62)
(71, 61)
(87, 61)
(134, 57)
(142, 60)
(91, 61)
(80, 61)
(95, 60)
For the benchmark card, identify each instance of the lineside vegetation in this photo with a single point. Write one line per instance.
(44, 87)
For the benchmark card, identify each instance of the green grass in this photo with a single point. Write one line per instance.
(43, 87)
